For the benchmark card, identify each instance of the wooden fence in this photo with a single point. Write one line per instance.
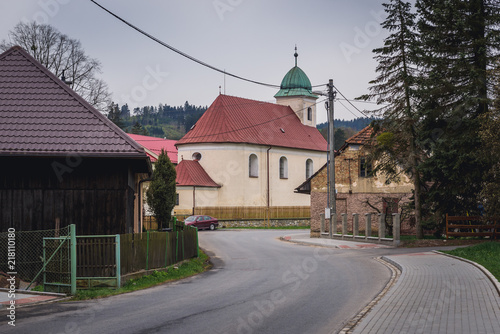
(153, 250)
(252, 212)
(97, 255)
(463, 226)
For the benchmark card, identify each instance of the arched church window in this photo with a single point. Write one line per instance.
(309, 168)
(253, 166)
(309, 114)
(283, 168)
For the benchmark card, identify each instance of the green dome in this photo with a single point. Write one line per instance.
(295, 83)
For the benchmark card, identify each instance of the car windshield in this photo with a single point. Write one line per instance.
(190, 219)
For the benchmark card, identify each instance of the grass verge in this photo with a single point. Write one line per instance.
(486, 254)
(186, 269)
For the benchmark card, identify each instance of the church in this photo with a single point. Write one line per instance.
(244, 158)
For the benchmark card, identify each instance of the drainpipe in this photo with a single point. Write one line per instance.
(139, 202)
(268, 186)
(194, 198)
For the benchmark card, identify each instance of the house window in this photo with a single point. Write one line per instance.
(309, 114)
(309, 168)
(365, 168)
(253, 166)
(177, 199)
(283, 168)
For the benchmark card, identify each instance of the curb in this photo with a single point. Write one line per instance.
(395, 274)
(485, 271)
(304, 243)
(30, 292)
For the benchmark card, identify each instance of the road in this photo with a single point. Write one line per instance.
(259, 284)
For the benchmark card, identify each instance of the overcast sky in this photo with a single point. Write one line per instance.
(254, 39)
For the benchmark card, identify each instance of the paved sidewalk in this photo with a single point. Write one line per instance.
(304, 238)
(435, 294)
(27, 298)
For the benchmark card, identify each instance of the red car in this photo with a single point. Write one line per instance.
(202, 222)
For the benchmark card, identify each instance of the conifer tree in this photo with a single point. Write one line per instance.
(395, 150)
(161, 194)
(460, 41)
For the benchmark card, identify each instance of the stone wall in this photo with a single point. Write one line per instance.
(263, 223)
(355, 203)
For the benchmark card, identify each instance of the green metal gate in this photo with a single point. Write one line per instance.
(59, 263)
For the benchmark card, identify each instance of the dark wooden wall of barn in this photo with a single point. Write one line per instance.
(93, 194)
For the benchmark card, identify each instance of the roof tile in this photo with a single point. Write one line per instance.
(237, 120)
(191, 173)
(42, 115)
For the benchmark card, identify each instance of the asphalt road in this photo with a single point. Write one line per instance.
(258, 285)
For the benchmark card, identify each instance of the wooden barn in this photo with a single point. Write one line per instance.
(62, 162)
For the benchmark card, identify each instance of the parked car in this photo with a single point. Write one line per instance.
(202, 222)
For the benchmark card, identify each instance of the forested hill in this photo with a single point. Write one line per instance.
(172, 122)
(162, 121)
(355, 124)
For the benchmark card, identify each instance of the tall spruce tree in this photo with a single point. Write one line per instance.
(161, 194)
(490, 148)
(395, 150)
(460, 41)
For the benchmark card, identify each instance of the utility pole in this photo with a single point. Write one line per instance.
(331, 158)
(332, 206)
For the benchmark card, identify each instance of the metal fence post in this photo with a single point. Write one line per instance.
(166, 250)
(118, 262)
(176, 246)
(72, 229)
(197, 243)
(43, 268)
(147, 250)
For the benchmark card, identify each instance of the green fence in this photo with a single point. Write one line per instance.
(61, 260)
(29, 255)
(153, 250)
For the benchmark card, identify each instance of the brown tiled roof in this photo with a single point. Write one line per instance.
(237, 120)
(191, 173)
(41, 115)
(362, 137)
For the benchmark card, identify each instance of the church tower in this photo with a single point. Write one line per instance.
(296, 92)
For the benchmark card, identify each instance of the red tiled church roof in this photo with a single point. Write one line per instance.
(155, 145)
(237, 120)
(191, 173)
(41, 115)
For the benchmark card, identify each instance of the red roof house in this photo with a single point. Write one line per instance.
(154, 145)
(63, 162)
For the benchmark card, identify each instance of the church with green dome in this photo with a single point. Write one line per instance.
(296, 92)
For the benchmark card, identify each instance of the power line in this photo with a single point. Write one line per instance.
(348, 109)
(350, 102)
(182, 53)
